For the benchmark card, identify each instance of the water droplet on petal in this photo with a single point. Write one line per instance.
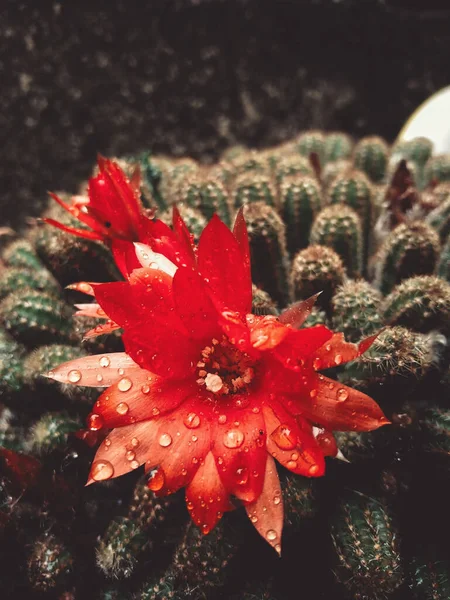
(125, 384)
(242, 476)
(94, 422)
(74, 376)
(104, 361)
(122, 408)
(145, 389)
(192, 421)
(135, 442)
(51, 374)
(233, 438)
(317, 363)
(206, 529)
(284, 437)
(277, 500)
(102, 470)
(165, 440)
(271, 535)
(342, 395)
(222, 419)
(134, 464)
(254, 519)
(130, 455)
(338, 359)
(313, 393)
(107, 442)
(291, 464)
(155, 411)
(156, 481)
(313, 469)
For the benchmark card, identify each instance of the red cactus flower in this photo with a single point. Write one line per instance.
(208, 394)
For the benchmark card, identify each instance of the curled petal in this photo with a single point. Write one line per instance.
(154, 260)
(138, 395)
(90, 310)
(83, 287)
(297, 314)
(123, 450)
(102, 329)
(221, 262)
(291, 444)
(340, 408)
(83, 233)
(206, 496)
(100, 370)
(337, 351)
(266, 512)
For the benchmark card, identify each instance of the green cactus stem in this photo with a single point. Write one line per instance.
(309, 142)
(437, 169)
(429, 579)
(338, 146)
(14, 279)
(356, 307)
(206, 195)
(21, 254)
(250, 188)
(439, 219)
(262, 303)
(193, 218)
(52, 431)
(301, 201)
(50, 563)
(371, 156)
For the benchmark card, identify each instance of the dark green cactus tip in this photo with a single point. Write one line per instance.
(356, 307)
(338, 146)
(420, 303)
(339, 227)
(193, 218)
(435, 423)
(292, 165)
(21, 254)
(262, 303)
(251, 188)
(299, 496)
(269, 257)
(301, 201)
(52, 431)
(34, 318)
(437, 169)
(206, 195)
(311, 141)
(371, 156)
(120, 546)
(410, 249)
(315, 317)
(14, 279)
(366, 542)
(439, 219)
(332, 170)
(50, 563)
(419, 150)
(317, 269)
(443, 267)
(429, 579)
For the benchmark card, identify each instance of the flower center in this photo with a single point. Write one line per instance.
(223, 369)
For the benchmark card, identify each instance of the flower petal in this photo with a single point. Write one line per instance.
(102, 329)
(154, 260)
(337, 351)
(92, 310)
(297, 313)
(298, 345)
(83, 233)
(240, 450)
(185, 238)
(293, 446)
(266, 512)
(206, 496)
(115, 300)
(124, 256)
(100, 370)
(221, 262)
(123, 450)
(241, 234)
(340, 408)
(139, 395)
(266, 332)
(182, 442)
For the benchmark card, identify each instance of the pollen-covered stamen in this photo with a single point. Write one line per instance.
(223, 369)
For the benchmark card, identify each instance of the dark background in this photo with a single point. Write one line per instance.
(120, 76)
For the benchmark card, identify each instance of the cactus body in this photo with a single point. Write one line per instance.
(437, 169)
(356, 310)
(250, 188)
(301, 201)
(371, 157)
(337, 146)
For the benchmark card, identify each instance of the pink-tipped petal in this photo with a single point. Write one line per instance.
(84, 287)
(241, 234)
(102, 329)
(266, 513)
(90, 310)
(337, 351)
(100, 370)
(297, 314)
(83, 233)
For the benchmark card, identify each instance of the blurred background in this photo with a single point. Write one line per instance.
(192, 77)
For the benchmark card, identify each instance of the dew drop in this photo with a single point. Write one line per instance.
(284, 437)
(145, 389)
(125, 384)
(278, 548)
(222, 419)
(317, 363)
(206, 529)
(102, 470)
(135, 442)
(313, 469)
(130, 455)
(291, 464)
(338, 359)
(342, 395)
(242, 476)
(331, 386)
(254, 519)
(156, 481)
(51, 374)
(233, 438)
(192, 421)
(255, 410)
(313, 393)
(99, 378)
(155, 411)
(94, 422)
(74, 376)
(121, 371)
(122, 408)
(165, 440)
(104, 361)
(134, 464)
(271, 535)
(277, 500)
(107, 442)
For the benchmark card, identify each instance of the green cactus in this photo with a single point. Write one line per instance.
(207, 195)
(338, 146)
(262, 303)
(366, 543)
(315, 317)
(429, 579)
(311, 141)
(339, 227)
(160, 588)
(410, 249)
(291, 165)
(250, 163)
(437, 169)
(356, 307)
(443, 267)
(12, 436)
(371, 156)
(250, 188)
(420, 303)
(52, 431)
(439, 219)
(234, 152)
(269, 258)
(332, 170)
(193, 218)
(21, 255)
(317, 269)
(299, 495)
(50, 563)
(435, 423)
(301, 201)
(34, 318)
(14, 279)
(11, 369)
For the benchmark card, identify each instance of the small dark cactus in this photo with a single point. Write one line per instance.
(439, 219)
(371, 157)
(249, 188)
(262, 303)
(338, 146)
(437, 169)
(311, 141)
(50, 563)
(193, 218)
(356, 306)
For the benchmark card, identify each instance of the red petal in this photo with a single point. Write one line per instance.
(194, 305)
(266, 513)
(206, 496)
(92, 310)
(297, 314)
(182, 442)
(164, 241)
(240, 450)
(83, 287)
(154, 260)
(340, 408)
(83, 233)
(115, 299)
(100, 370)
(298, 345)
(138, 396)
(337, 351)
(182, 232)
(124, 255)
(326, 441)
(102, 329)
(82, 216)
(292, 446)
(266, 332)
(124, 450)
(241, 234)
(221, 262)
